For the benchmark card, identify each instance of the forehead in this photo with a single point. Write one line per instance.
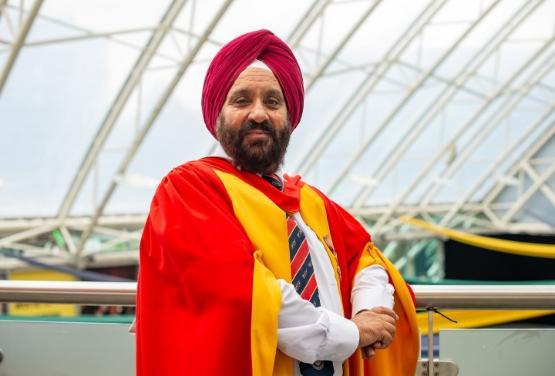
(256, 79)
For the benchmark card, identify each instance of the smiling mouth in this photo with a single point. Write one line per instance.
(258, 132)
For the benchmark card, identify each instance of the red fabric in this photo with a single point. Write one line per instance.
(195, 281)
(238, 54)
(194, 297)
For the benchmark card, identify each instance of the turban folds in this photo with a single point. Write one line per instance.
(237, 55)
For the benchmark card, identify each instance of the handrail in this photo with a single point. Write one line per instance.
(485, 296)
(443, 296)
(73, 292)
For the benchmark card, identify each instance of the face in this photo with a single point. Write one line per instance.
(253, 127)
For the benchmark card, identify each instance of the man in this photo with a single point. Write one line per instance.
(245, 270)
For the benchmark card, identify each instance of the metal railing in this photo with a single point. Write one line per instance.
(74, 292)
(427, 296)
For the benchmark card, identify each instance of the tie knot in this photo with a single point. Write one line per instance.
(274, 180)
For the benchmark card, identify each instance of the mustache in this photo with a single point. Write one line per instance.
(265, 126)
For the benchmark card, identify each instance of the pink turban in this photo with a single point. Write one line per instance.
(237, 55)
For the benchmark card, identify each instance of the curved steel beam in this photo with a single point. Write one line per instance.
(492, 123)
(440, 102)
(118, 105)
(536, 185)
(331, 57)
(18, 43)
(306, 22)
(495, 95)
(368, 140)
(370, 82)
(529, 153)
(543, 138)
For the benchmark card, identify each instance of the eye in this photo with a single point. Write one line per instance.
(241, 101)
(273, 102)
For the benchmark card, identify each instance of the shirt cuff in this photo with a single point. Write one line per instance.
(342, 339)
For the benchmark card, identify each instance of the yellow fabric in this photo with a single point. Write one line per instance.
(501, 245)
(405, 347)
(265, 293)
(475, 318)
(263, 222)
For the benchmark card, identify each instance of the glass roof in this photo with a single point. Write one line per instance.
(433, 104)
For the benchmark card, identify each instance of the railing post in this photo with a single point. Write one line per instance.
(430, 341)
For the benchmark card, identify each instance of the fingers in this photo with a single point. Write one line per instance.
(386, 340)
(368, 352)
(385, 336)
(387, 319)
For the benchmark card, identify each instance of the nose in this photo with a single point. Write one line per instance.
(258, 113)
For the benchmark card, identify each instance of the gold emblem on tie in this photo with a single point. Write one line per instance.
(318, 365)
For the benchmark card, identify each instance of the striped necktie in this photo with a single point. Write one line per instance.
(302, 270)
(304, 280)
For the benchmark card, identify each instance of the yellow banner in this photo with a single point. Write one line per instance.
(41, 309)
(500, 245)
(475, 318)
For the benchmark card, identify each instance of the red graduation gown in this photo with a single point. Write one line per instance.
(195, 289)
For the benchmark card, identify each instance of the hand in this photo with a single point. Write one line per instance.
(376, 329)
